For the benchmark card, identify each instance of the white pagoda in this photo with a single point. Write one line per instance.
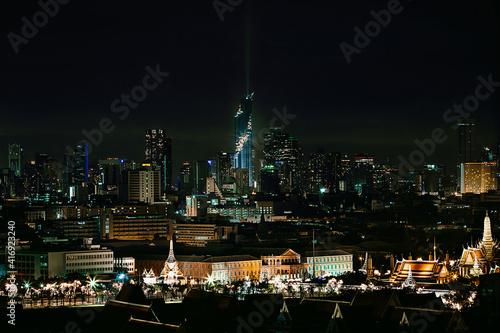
(171, 274)
(410, 281)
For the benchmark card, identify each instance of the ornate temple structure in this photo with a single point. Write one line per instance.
(148, 276)
(171, 274)
(484, 258)
(419, 271)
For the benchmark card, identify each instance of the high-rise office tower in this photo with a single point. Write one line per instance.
(49, 171)
(346, 182)
(212, 163)
(384, 177)
(144, 185)
(200, 174)
(486, 155)
(269, 180)
(224, 168)
(159, 155)
(324, 171)
(184, 181)
(110, 170)
(16, 159)
(433, 179)
(244, 152)
(282, 152)
(363, 173)
(466, 139)
(81, 163)
(241, 180)
(478, 177)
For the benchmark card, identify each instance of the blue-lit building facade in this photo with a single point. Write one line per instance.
(244, 152)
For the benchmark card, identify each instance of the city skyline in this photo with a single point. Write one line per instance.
(379, 103)
(402, 162)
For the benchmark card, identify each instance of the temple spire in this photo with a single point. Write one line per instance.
(487, 243)
(171, 272)
(364, 268)
(171, 257)
(410, 281)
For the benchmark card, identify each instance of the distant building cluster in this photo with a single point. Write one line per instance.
(286, 265)
(285, 216)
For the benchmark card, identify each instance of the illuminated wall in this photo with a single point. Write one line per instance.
(478, 177)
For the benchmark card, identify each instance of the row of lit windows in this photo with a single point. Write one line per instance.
(329, 259)
(123, 264)
(89, 256)
(89, 263)
(186, 266)
(93, 270)
(325, 267)
(236, 265)
(240, 274)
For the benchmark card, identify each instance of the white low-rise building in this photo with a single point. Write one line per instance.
(329, 262)
(125, 264)
(85, 262)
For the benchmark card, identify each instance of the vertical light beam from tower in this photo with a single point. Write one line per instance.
(247, 46)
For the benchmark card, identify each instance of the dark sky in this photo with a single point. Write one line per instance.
(395, 91)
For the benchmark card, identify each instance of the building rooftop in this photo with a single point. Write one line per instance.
(327, 253)
(244, 257)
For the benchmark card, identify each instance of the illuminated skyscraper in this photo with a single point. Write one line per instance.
(224, 167)
(281, 151)
(478, 177)
(144, 185)
(81, 163)
(244, 152)
(363, 173)
(324, 171)
(184, 183)
(465, 145)
(346, 182)
(15, 158)
(159, 155)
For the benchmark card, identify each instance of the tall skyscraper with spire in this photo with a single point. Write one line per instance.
(244, 151)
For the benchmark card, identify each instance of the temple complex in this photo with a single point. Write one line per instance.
(484, 258)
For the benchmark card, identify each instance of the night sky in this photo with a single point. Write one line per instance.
(394, 91)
